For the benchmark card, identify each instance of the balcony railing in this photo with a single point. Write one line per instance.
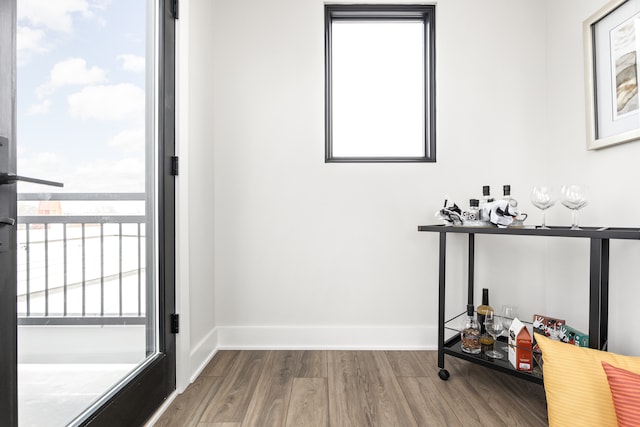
(81, 269)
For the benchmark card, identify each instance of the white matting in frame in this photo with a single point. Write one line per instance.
(612, 56)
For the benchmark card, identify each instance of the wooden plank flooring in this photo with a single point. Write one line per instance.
(352, 388)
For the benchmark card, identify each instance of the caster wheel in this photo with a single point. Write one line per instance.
(443, 374)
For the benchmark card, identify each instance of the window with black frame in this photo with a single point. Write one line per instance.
(380, 83)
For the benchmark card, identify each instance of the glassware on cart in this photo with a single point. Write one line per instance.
(543, 198)
(470, 334)
(508, 312)
(573, 197)
(495, 327)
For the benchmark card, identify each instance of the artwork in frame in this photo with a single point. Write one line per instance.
(612, 61)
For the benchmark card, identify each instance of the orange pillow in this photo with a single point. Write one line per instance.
(625, 389)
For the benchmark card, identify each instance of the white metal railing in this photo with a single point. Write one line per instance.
(81, 269)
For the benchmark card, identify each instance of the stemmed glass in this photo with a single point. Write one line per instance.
(495, 327)
(508, 312)
(543, 198)
(573, 197)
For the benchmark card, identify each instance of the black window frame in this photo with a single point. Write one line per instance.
(426, 13)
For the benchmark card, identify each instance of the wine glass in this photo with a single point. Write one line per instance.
(495, 327)
(543, 198)
(508, 312)
(573, 197)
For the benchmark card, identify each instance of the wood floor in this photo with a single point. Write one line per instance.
(352, 388)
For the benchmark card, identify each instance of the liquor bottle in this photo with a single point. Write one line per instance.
(486, 194)
(483, 309)
(513, 203)
(470, 336)
(506, 189)
(486, 199)
(473, 214)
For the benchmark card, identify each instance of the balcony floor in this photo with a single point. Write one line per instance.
(51, 395)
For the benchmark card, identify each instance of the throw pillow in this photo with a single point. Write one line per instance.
(625, 389)
(575, 384)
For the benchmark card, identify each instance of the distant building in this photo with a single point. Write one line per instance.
(49, 207)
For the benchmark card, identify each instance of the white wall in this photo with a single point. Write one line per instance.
(611, 176)
(308, 254)
(304, 247)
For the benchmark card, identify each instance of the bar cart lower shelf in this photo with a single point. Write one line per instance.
(598, 237)
(452, 347)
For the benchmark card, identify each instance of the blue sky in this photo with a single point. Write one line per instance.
(81, 93)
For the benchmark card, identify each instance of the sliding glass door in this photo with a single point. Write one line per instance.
(86, 210)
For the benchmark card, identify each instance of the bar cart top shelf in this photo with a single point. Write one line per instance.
(584, 232)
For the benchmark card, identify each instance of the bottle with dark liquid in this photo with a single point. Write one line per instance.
(483, 309)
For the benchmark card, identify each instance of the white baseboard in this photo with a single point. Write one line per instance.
(203, 352)
(328, 338)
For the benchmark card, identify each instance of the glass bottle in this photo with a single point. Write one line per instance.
(473, 214)
(506, 190)
(513, 203)
(470, 335)
(486, 194)
(486, 199)
(483, 309)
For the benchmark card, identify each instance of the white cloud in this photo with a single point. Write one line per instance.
(129, 140)
(44, 160)
(133, 63)
(41, 108)
(70, 72)
(29, 41)
(108, 102)
(53, 14)
(45, 165)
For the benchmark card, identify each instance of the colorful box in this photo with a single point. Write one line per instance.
(574, 337)
(545, 325)
(520, 351)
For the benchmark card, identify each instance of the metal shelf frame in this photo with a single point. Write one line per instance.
(598, 282)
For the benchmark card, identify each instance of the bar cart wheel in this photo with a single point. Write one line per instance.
(443, 374)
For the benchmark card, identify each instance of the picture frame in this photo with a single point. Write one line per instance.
(612, 70)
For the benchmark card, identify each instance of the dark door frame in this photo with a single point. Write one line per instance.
(139, 399)
(136, 401)
(8, 211)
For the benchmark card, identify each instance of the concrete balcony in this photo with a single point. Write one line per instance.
(82, 302)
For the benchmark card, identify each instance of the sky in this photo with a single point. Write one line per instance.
(81, 94)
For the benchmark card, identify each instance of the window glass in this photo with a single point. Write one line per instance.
(380, 83)
(378, 89)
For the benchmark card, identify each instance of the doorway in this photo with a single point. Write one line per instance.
(93, 260)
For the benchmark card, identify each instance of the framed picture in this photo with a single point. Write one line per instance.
(612, 59)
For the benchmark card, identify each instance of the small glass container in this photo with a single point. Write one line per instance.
(473, 214)
(470, 335)
(486, 343)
